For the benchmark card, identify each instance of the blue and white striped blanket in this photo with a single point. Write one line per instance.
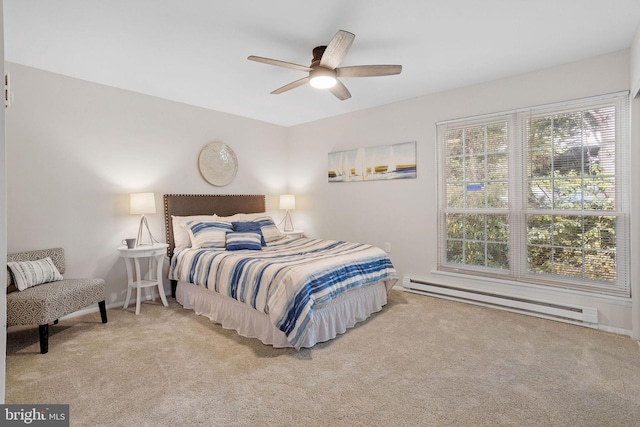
(286, 280)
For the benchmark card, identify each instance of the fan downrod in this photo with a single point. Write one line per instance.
(317, 53)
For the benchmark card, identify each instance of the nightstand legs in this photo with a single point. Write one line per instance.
(138, 283)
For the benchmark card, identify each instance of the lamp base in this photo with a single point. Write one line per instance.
(144, 223)
(288, 224)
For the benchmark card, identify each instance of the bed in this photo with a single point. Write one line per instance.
(228, 262)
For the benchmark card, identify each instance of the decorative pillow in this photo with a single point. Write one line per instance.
(249, 240)
(208, 234)
(249, 227)
(270, 232)
(181, 238)
(31, 273)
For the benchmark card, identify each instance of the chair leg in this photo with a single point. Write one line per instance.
(44, 329)
(44, 338)
(103, 311)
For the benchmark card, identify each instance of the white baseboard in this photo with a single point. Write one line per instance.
(116, 304)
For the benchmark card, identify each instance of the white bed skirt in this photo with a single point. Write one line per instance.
(328, 321)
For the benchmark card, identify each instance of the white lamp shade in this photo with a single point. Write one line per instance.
(287, 201)
(142, 203)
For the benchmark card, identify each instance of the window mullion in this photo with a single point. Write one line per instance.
(517, 191)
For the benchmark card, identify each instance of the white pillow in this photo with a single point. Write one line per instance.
(31, 273)
(181, 237)
(230, 218)
(251, 216)
(241, 217)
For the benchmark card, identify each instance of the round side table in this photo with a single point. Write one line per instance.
(155, 254)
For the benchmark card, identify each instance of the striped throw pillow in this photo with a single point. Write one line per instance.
(181, 238)
(238, 240)
(270, 232)
(248, 227)
(208, 234)
(31, 273)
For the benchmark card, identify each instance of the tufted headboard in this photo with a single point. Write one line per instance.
(207, 204)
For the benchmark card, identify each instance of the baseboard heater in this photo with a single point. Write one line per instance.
(584, 316)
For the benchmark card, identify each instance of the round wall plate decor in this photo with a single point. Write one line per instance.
(218, 163)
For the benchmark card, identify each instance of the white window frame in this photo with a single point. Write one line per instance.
(517, 209)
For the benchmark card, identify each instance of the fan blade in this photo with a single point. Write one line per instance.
(278, 63)
(368, 70)
(291, 85)
(340, 91)
(337, 49)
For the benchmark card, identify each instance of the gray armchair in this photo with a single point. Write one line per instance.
(46, 303)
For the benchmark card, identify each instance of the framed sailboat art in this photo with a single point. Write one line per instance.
(394, 161)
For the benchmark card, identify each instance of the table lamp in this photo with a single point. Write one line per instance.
(142, 204)
(288, 202)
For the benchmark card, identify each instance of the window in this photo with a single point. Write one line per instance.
(538, 195)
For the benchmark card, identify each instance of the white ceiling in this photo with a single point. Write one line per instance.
(194, 51)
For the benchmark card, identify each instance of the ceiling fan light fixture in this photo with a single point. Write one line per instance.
(322, 78)
(324, 70)
(322, 82)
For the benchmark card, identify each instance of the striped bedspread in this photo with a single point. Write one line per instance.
(286, 280)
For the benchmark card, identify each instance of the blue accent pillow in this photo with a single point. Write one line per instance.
(238, 240)
(249, 227)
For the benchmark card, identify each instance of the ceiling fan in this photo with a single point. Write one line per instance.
(324, 70)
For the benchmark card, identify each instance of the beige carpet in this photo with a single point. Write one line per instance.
(421, 361)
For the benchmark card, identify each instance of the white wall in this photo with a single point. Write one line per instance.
(635, 63)
(635, 177)
(76, 150)
(404, 212)
(3, 222)
(635, 211)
